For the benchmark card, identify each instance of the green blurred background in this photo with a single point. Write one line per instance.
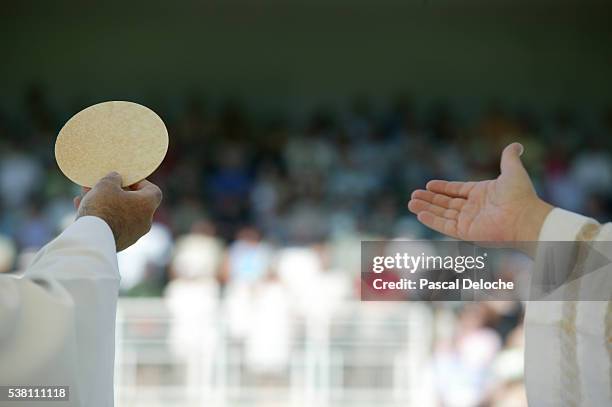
(273, 53)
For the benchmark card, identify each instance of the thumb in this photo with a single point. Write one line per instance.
(511, 159)
(113, 178)
(77, 202)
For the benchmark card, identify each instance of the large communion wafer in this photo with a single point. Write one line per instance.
(112, 136)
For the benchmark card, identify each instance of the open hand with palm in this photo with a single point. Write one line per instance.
(505, 209)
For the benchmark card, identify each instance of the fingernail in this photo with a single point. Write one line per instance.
(521, 149)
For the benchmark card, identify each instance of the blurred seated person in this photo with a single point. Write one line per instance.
(193, 297)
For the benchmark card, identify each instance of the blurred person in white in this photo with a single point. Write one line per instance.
(57, 320)
(316, 289)
(247, 262)
(142, 265)
(568, 350)
(463, 364)
(248, 256)
(509, 389)
(268, 336)
(192, 297)
(198, 254)
(316, 293)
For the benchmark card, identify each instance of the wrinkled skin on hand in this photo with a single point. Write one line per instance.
(129, 213)
(504, 209)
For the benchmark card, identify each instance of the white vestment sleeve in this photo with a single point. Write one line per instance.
(567, 356)
(57, 321)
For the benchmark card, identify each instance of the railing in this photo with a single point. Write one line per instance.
(362, 354)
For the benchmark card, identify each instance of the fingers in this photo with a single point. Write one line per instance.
(417, 205)
(439, 199)
(439, 211)
(141, 185)
(452, 188)
(511, 159)
(113, 178)
(438, 223)
(147, 190)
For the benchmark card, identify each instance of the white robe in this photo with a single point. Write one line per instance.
(569, 343)
(57, 321)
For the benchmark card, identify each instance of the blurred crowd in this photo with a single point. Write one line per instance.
(268, 210)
